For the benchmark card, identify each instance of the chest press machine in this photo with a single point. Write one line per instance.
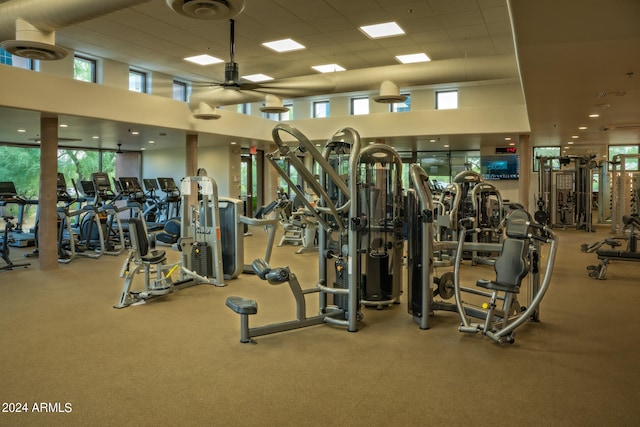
(520, 256)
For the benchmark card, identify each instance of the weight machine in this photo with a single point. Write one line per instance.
(201, 258)
(337, 287)
(567, 201)
(376, 232)
(420, 250)
(426, 292)
(520, 256)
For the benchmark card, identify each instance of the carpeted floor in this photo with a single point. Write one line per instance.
(178, 360)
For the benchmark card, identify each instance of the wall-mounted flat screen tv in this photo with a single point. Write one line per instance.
(500, 167)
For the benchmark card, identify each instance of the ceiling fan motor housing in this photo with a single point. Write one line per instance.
(231, 74)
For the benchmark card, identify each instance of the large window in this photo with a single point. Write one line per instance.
(546, 152)
(442, 166)
(180, 91)
(138, 81)
(359, 106)
(629, 164)
(446, 99)
(321, 109)
(76, 165)
(400, 107)
(84, 69)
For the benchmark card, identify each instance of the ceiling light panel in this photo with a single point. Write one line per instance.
(284, 45)
(328, 68)
(204, 59)
(414, 57)
(387, 29)
(257, 78)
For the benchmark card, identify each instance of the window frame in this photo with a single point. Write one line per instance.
(183, 87)
(444, 92)
(144, 78)
(93, 63)
(314, 109)
(352, 105)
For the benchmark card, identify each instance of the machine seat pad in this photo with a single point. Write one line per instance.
(242, 305)
(612, 242)
(154, 257)
(495, 286)
(622, 255)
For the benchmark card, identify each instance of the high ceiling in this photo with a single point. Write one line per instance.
(576, 57)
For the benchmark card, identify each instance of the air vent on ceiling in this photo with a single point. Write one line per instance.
(34, 50)
(207, 9)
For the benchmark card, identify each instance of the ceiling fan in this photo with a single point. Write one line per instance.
(232, 90)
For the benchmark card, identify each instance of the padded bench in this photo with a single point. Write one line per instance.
(619, 255)
(244, 307)
(605, 255)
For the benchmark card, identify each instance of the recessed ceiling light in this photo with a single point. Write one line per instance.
(507, 138)
(284, 45)
(593, 116)
(512, 143)
(446, 146)
(570, 142)
(328, 68)
(582, 128)
(152, 142)
(233, 143)
(387, 29)
(203, 59)
(143, 148)
(95, 137)
(414, 57)
(575, 136)
(22, 130)
(135, 132)
(432, 140)
(64, 125)
(257, 77)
